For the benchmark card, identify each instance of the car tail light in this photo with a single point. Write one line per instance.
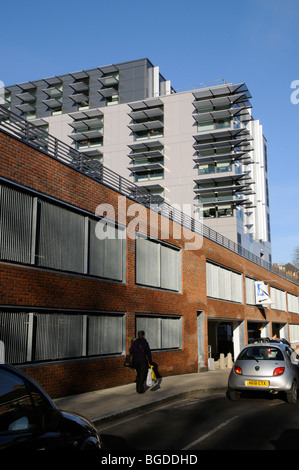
(238, 370)
(278, 371)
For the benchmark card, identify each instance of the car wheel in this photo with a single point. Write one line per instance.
(292, 394)
(233, 394)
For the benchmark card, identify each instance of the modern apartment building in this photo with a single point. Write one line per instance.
(198, 150)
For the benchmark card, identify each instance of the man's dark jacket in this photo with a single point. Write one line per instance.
(141, 351)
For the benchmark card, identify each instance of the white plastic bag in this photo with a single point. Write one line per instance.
(149, 380)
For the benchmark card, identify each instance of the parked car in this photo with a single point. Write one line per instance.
(260, 340)
(270, 340)
(266, 367)
(280, 340)
(30, 421)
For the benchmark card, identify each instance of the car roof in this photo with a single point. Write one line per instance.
(268, 344)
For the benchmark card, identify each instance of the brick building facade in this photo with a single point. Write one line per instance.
(185, 312)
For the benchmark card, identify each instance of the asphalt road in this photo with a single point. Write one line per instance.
(205, 422)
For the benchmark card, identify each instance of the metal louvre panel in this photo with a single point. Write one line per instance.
(171, 333)
(105, 334)
(147, 262)
(278, 298)
(293, 303)
(15, 225)
(237, 287)
(294, 333)
(212, 280)
(58, 336)
(61, 238)
(152, 328)
(14, 326)
(106, 254)
(170, 268)
(161, 332)
(250, 291)
(224, 284)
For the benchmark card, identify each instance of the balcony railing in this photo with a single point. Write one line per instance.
(25, 131)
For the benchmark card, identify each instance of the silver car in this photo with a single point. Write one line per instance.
(265, 367)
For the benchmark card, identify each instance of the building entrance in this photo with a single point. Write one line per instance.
(257, 330)
(225, 337)
(279, 330)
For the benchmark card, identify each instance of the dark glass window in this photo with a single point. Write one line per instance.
(16, 408)
(262, 353)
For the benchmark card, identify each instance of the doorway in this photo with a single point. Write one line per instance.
(225, 337)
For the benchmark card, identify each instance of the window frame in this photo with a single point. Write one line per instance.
(156, 250)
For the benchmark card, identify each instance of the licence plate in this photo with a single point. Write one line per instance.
(257, 383)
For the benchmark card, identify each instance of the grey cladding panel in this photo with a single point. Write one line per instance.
(106, 254)
(148, 262)
(61, 238)
(15, 225)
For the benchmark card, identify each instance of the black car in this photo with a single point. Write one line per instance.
(30, 421)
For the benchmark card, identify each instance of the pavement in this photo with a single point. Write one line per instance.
(110, 403)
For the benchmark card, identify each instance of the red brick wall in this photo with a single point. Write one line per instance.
(40, 288)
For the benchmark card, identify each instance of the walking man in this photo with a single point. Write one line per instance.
(142, 357)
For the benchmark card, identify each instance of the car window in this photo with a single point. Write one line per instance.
(292, 355)
(261, 353)
(17, 411)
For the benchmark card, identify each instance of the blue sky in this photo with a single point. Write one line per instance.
(194, 41)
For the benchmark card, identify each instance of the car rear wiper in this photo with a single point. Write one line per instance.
(252, 357)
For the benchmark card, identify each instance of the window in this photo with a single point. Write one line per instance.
(161, 332)
(61, 238)
(293, 303)
(278, 297)
(220, 167)
(15, 225)
(261, 353)
(34, 231)
(89, 143)
(214, 124)
(149, 175)
(149, 134)
(223, 167)
(14, 333)
(112, 100)
(223, 283)
(205, 125)
(250, 291)
(37, 337)
(208, 212)
(105, 334)
(107, 255)
(225, 211)
(294, 333)
(206, 168)
(157, 265)
(215, 211)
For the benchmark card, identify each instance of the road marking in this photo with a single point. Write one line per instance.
(205, 436)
